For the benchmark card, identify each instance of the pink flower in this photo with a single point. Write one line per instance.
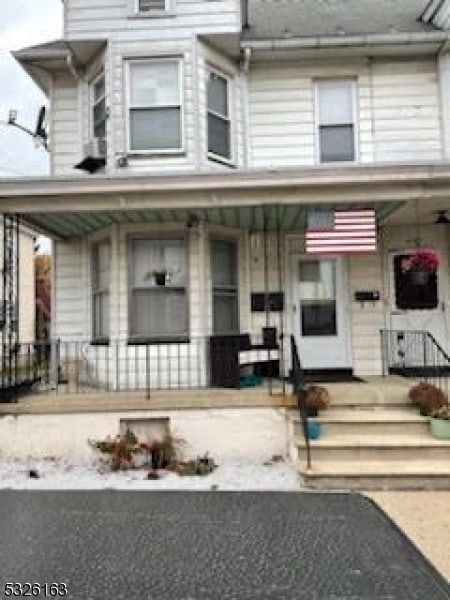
(424, 259)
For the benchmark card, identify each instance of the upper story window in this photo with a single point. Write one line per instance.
(150, 7)
(98, 107)
(219, 124)
(335, 118)
(155, 106)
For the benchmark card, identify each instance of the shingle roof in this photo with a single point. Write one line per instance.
(303, 18)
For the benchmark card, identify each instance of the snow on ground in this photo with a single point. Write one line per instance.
(229, 476)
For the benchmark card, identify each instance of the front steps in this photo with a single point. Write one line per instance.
(377, 442)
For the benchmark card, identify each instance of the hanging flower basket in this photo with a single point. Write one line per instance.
(420, 265)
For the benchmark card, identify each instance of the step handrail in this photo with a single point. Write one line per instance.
(298, 381)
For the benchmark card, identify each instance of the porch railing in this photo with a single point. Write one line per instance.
(415, 354)
(298, 382)
(68, 367)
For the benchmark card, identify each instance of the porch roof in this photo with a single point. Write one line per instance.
(64, 207)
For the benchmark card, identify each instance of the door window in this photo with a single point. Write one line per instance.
(317, 287)
(409, 294)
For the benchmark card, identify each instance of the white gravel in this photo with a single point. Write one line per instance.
(229, 476)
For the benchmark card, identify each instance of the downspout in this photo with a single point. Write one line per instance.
(76, 72)
(245, 16)
(245, 68)
(443, 100)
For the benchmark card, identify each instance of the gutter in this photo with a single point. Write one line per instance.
(244, 179)
(347, 41)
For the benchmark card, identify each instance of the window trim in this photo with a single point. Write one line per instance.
(157, 339)
(153, 13)
(236, 241)
(353, 82)
(212, 155)
(161, 151)
(93, 103)
(98, 340)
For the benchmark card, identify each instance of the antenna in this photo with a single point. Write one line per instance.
(39, 134)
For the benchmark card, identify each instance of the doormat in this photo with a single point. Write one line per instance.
(331, 376)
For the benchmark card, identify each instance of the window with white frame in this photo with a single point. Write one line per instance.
(336, 120)
(98, 107)
(219, 124)
(158, 289)
(225, 290)
(151, 6)
(100, 278)
(155, 106)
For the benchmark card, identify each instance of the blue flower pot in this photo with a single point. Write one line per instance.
(314, 430)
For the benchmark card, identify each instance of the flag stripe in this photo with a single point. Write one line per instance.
(352, 231)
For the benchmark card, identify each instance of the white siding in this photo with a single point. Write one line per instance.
(27, 304)
(406, 111)
(65, 133)
(113, 19)
(70, 311)
(398, 111)
(366, 319)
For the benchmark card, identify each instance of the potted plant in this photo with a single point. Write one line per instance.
(440, 423)
(420, 264)
(427, 397)
(315, 398)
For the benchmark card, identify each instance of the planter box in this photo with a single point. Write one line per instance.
(440, 428)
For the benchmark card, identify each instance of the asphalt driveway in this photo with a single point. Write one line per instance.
(212, 545)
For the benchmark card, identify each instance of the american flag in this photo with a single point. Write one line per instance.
(351, 231)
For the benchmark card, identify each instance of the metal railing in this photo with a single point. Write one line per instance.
(415, 354)
(298, 382)
(76, 367)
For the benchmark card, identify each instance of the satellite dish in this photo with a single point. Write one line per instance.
(40, 124)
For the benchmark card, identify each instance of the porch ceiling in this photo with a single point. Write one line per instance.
(254, 218)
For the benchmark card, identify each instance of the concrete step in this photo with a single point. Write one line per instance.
(376, 475)
(367, 423)
(379, 448)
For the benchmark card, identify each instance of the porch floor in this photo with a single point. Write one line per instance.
(374, 390)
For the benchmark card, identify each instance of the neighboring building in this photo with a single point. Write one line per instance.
(219, 131)
(25, 286)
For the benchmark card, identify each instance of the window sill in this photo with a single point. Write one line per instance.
(182, 339)
(152, 14)
(136, 154)
(220, 159)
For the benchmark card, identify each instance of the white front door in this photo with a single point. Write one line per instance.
(319, 316)
(417, 307)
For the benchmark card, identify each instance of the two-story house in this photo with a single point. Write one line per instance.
(197, 143)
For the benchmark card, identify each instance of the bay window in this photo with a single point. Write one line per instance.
(224, 277)
(158, 289)
(219, 124)
(155, 106)
(100, 280)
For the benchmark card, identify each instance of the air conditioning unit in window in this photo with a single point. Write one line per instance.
(94, 156)
(95, 148)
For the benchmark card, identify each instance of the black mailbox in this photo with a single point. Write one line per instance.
(367, 296)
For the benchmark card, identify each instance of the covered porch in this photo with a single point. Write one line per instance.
(232, 249)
